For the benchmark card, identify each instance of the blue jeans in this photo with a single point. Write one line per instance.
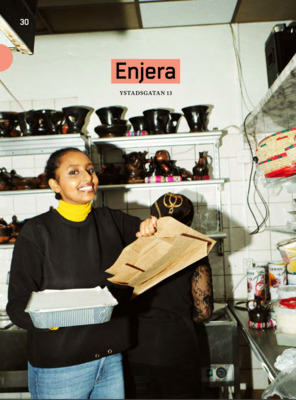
(99, 379)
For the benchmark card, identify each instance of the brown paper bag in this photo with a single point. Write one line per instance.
(149, 260)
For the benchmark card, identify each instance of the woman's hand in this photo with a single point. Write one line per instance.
(147, 227)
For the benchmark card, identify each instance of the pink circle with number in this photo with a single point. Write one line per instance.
(6, 57)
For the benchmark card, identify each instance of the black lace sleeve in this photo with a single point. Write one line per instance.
(202, 291)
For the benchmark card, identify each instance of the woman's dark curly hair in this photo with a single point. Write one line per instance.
(54, 162)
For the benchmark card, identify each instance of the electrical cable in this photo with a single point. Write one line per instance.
(253, 179)
(11, 94)
(242, 84)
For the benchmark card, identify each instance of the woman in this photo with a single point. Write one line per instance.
(165, 362)
(66, 248)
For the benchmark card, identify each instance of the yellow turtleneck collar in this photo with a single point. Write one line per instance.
(74, 212)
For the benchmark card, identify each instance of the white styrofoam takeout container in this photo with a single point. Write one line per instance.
(70, 307)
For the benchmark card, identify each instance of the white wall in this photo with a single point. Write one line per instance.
(76, 69)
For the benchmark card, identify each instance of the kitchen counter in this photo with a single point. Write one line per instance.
(262, 341)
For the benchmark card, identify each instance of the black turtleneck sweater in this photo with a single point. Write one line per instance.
(55, 253)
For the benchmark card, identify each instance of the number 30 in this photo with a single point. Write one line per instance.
(24, 21)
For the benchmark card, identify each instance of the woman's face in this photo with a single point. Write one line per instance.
(76, 180)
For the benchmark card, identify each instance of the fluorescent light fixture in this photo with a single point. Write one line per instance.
(13, 41)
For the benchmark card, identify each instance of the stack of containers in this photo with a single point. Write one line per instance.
(265, 279)
(285, 308)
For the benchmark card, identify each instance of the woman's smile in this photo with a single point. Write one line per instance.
(76, 179)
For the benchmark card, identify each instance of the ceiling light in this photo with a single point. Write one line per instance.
(11, 39)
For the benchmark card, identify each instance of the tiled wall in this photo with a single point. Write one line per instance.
(39, 83)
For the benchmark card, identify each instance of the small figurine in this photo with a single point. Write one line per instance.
(201, 170)
(135, 166)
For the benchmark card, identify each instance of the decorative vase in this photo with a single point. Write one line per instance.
(8, 121)
(173, 122)
(139, 123)
(196, 117)
(75, 118)
(110, 115)
(157, 119)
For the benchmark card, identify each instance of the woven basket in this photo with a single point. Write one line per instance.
(291, 153)
(277, 154)
(275, 143)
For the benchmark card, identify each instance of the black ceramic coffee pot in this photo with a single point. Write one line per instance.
(173, 122)
(110, 115)
(75, 118)
(139, 123)
(196, 117)
(8, 121)
(157, 119)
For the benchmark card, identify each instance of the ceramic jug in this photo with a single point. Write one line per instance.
(201, 170)
(257, 311)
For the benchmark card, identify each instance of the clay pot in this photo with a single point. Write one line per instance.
(162, 155)
(27, 122)
(157, 120)
(47, 122)
(8, 121)
(16, 227)
(5, 180)
(42, 181)
(257, 311)
(75, 118)
(57, 119)
(5, 232)
(196, 117)
(110, 115)
(21, 183)
(139, 123)
(110, 175)
(112, 130)
(173, 122)
(134, 163)
(201, 170)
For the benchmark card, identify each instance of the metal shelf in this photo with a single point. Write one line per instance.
(281, 229)
(216, 235)
(276, 109)
(161, 184)
(175, 139)
(22, 192)
(28, 145)
(6, 246)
